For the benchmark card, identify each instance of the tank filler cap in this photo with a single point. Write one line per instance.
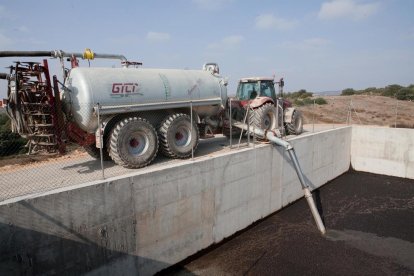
(211, 67)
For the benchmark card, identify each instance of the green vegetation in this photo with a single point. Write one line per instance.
(302, 97)
(10, 143)
(301, 94)
(348, 91)
(320, 101)
(394, 90)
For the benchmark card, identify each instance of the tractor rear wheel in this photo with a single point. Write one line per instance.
(178, 136)
(264, 117)
(133, 143)
(296, 126)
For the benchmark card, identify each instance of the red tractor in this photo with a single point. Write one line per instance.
(256, 97)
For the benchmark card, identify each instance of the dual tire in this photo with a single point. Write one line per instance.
(133, 142)
(178, 136)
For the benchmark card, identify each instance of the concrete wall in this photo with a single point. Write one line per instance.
(381, 150)
(144, 222)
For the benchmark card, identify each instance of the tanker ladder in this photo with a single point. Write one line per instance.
(305, 187)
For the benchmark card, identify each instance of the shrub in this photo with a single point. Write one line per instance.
(10, 143)
(391, 90)
(405, 94)
(298, 102)
(301, 94)
(347, 92)
(307, 101)
(320, 101)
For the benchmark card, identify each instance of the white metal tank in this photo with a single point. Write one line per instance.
(122, 90)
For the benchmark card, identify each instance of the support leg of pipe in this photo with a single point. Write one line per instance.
(306, 191)
(314, 210)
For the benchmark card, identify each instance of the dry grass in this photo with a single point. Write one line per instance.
(366, 110)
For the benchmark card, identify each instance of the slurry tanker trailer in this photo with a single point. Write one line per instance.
(131, 113)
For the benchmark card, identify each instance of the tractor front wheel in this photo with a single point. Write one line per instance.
(295, 127)
(264, 117)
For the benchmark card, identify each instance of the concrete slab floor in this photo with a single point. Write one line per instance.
(370, 223)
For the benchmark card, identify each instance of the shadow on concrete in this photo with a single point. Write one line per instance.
(90, 166)
(25, 251)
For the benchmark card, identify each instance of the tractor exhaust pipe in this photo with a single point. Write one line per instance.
(305, 187)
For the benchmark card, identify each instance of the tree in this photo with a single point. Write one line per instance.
(370, 90)
(347, 92)
(404, 94)
(391, 90)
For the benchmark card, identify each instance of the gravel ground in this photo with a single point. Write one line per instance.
(370, 231)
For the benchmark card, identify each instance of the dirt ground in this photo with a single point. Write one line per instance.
(365, 109)
(370, 231)
(13, 163)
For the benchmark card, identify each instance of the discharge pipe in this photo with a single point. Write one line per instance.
(58, 54)
(305, 187)
(4, 76)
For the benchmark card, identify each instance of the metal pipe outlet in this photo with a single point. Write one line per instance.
(4, 76)
(26, 53)
(57, 54)
(271, 136)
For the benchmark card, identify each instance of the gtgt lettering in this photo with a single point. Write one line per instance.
(124, 88)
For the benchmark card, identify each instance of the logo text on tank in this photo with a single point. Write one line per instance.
(125, 89)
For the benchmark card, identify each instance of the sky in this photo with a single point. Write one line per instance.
(326, 45)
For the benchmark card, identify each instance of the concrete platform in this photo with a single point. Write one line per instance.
(370, 223)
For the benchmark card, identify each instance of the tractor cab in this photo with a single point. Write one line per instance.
(251, 88)
(257, 91)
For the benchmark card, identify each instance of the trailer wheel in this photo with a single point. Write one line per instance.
(133, 143)
(296, 126)
(264, 117)
(176, 139)
(95, 152)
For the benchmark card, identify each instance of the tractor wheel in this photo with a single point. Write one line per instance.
(264, 117)
(133, 143)
(296, 126)
(94, 152)
(176, 139)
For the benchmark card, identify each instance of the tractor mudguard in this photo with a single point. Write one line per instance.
(259, 101)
